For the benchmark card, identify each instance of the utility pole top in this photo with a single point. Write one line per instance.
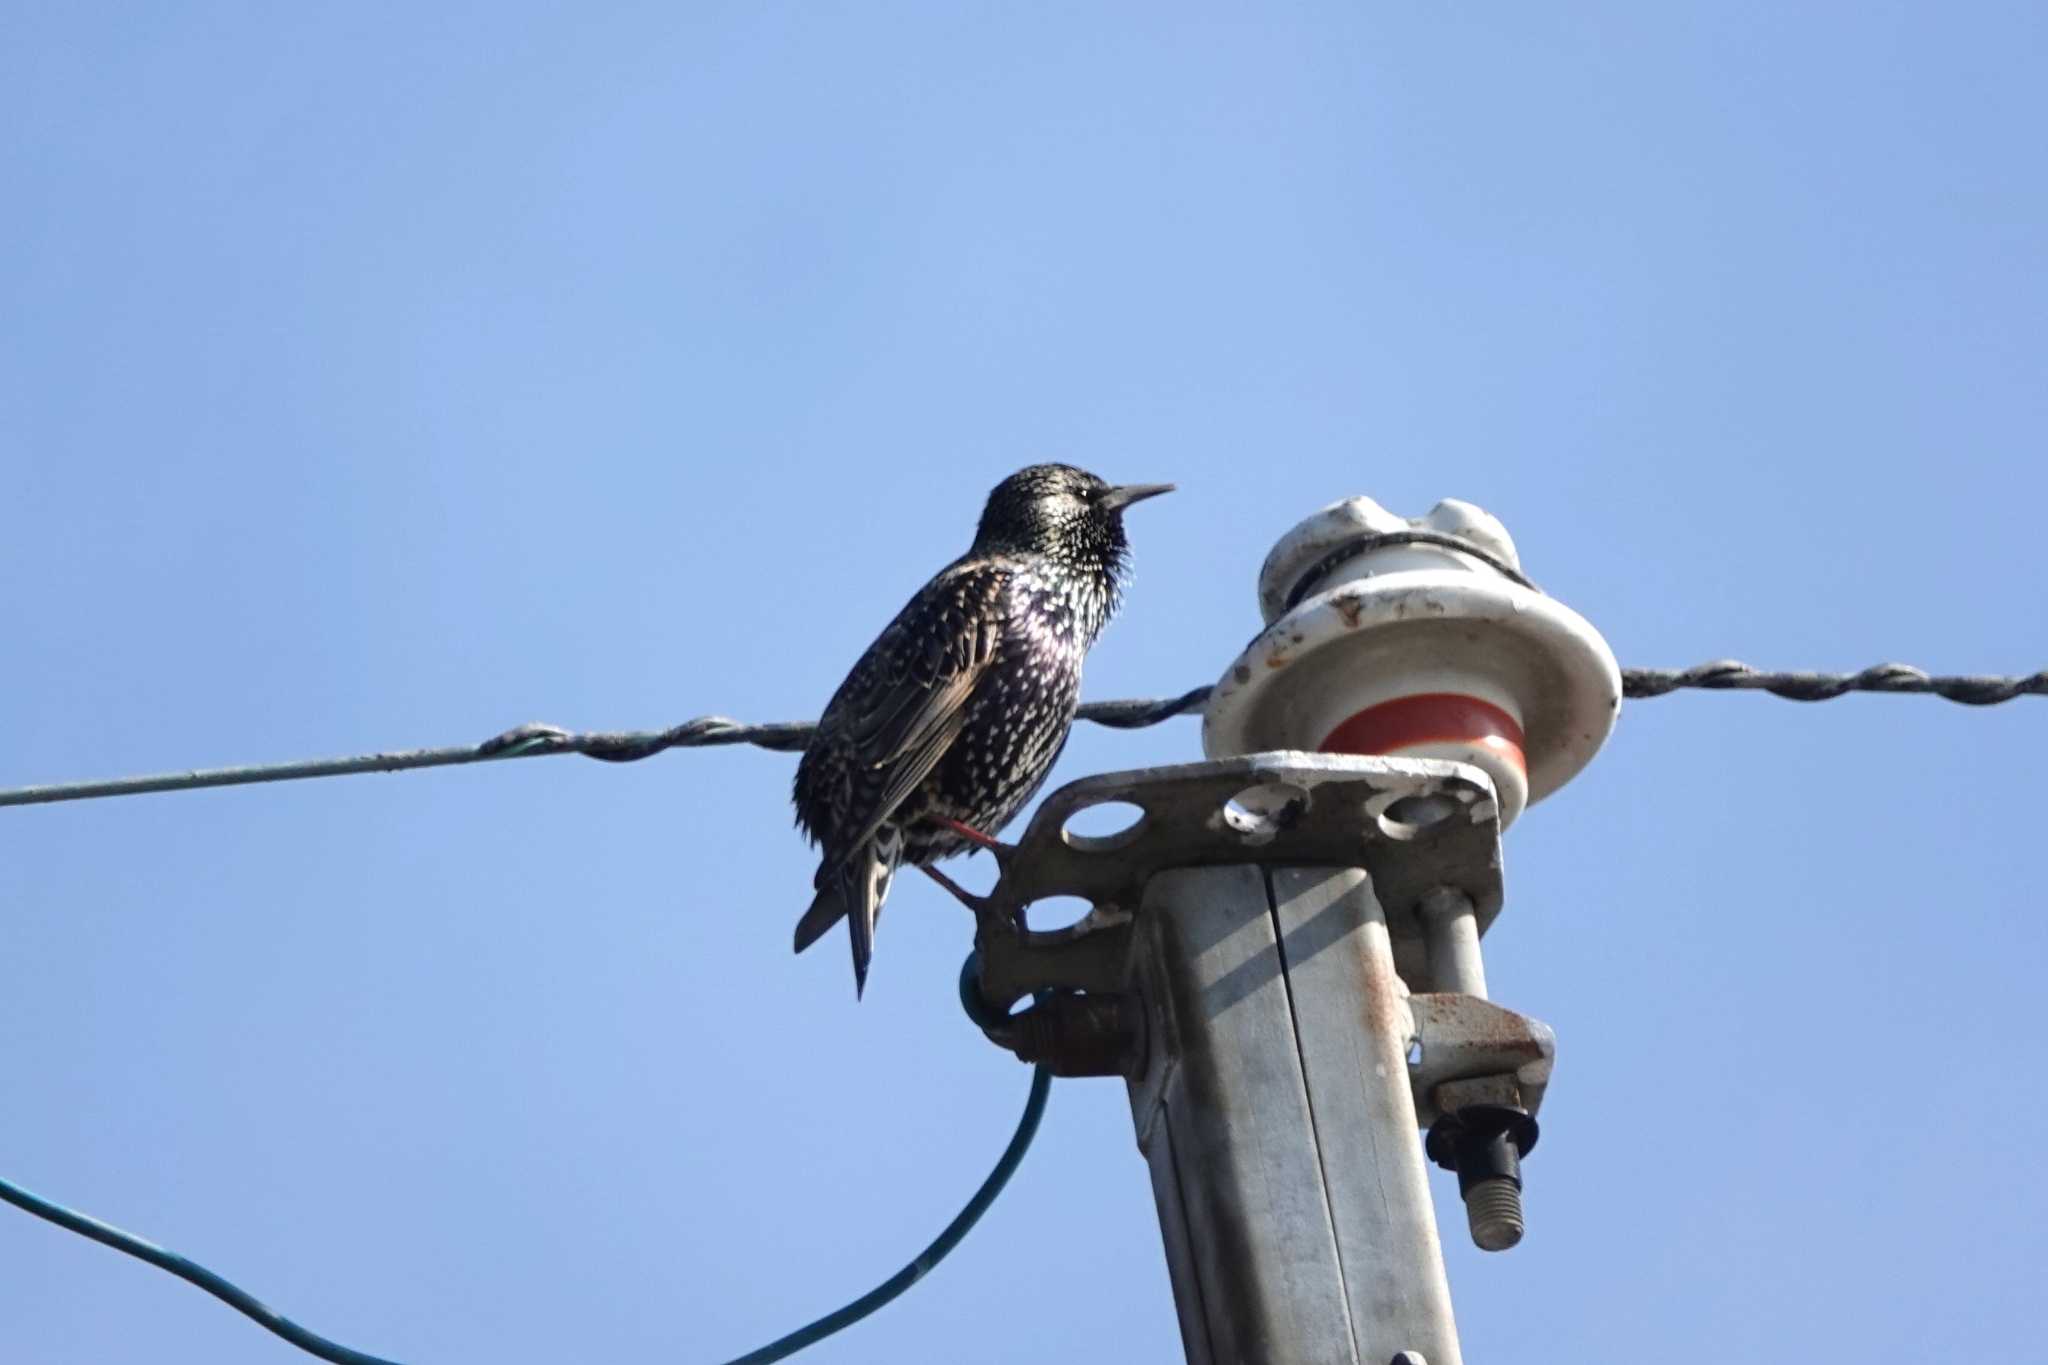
(1282, 958)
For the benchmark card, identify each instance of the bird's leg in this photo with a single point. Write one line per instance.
(1001, 851)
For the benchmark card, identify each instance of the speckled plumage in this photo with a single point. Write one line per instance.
(959, 709)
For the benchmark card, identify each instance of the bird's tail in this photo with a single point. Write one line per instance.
(855, 887)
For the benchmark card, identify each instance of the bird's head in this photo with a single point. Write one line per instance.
(1062, 512)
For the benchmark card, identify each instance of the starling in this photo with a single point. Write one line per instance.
(952, 719)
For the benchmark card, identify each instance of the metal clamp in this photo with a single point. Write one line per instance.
(1415, 825)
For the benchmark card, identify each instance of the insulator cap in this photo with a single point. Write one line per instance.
(1420, 638)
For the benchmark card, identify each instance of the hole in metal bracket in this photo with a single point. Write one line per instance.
(1057, 912)
(1104, 827)
(1410, 816)
(1260, 813)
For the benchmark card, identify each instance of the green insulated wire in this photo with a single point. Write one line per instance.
(106, 1234)
(1020, 1141)
(314, 1344)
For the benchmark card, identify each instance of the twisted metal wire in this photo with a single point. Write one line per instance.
(1728, 675)
(628, 746)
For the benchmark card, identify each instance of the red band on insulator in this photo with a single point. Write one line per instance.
(1430, 718)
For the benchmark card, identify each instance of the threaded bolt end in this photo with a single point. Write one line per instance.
(1494, 1210)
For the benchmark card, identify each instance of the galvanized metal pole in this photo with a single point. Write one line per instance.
(1276, 1117)
(1404, 637)
(1258, 968)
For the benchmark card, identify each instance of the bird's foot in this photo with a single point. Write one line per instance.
(980, 905)
(1001, 851)
(985, 908)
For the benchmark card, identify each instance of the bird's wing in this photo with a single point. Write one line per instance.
(903, 716)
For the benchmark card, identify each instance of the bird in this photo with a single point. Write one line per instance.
(950, 722)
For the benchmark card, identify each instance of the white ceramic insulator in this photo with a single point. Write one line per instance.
(1418, 650)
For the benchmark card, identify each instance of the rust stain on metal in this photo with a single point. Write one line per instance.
(1380, 994)
(1350, 607)
(1498, 1030)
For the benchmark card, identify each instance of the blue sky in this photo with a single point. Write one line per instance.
(385, 375)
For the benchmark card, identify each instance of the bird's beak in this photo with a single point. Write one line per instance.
(1116, 499)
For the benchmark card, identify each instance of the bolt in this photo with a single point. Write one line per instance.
(1409, 1358)
(1493, 1207)
(1484, 1143)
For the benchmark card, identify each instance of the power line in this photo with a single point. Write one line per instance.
(627, 746)
(1725, 675)
(531, 741)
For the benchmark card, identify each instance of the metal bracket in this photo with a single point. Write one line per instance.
(1464, 1039)
(1414, 825)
